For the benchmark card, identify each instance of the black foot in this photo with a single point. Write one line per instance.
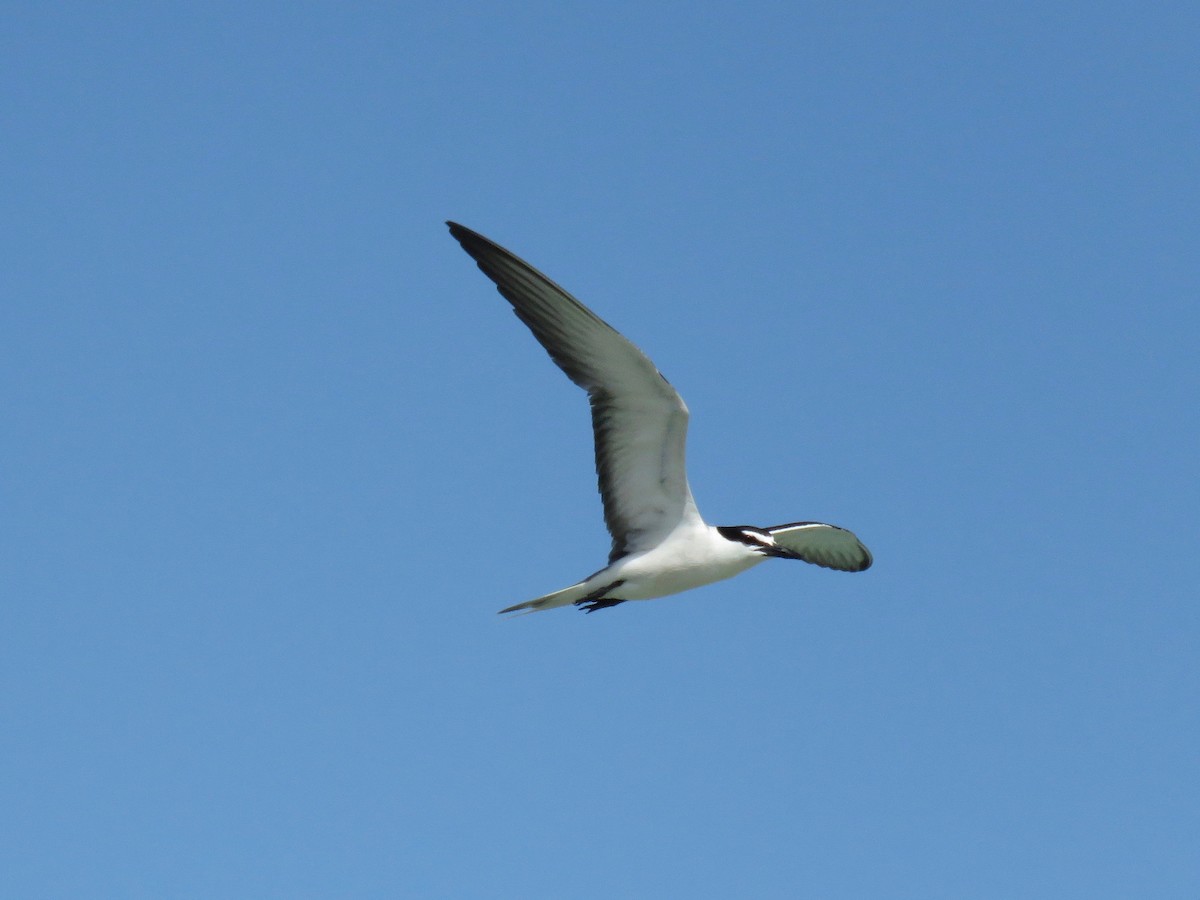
(596, 599)
(590, 606)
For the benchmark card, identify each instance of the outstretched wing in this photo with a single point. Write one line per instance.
(823, 545)
(638, 420)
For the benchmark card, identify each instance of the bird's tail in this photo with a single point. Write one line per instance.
(565, 597)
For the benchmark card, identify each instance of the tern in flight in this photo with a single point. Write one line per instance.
(660, 545)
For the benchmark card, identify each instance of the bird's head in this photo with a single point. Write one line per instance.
(756, 539)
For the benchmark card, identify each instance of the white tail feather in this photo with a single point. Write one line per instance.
(565, 597)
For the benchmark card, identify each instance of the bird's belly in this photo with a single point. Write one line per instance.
(646, 577)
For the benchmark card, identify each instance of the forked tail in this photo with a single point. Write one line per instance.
(588, 595)
(565, 597)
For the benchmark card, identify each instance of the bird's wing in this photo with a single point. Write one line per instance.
(639, 421)
(823, 545)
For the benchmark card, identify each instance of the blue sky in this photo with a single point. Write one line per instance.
(275, 451)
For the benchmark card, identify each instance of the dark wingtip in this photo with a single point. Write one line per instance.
(471, 241)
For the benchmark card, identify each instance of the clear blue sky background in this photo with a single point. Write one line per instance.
(274, 451)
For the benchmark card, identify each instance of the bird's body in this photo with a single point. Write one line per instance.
(661, 545)
(690, 557)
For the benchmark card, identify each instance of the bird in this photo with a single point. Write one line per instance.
(660, 544)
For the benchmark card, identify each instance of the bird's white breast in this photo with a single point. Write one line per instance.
(688, 558)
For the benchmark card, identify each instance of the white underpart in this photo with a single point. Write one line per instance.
(690, 557)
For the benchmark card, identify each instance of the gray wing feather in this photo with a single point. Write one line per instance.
(823, 545)
(638, 420)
